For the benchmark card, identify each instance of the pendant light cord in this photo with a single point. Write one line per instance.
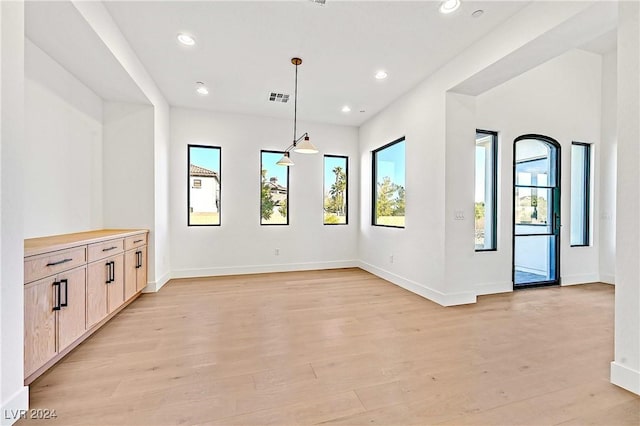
(295, 108)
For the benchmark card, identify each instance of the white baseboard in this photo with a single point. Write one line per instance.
(15, 407)
(444, 299)
(579, 279)
(607, 278)
(259, 269)
(154, 286)
(494, 288)
(625, 377)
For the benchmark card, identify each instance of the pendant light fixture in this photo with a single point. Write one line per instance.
(300, 144)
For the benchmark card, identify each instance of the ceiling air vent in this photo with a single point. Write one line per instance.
(320, 2)
(278, 97)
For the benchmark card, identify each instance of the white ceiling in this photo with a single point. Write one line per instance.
(60, 31)
(243, 51)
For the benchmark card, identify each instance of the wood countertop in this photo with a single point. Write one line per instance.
(35, 246)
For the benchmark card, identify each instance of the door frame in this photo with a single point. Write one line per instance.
(556, 193)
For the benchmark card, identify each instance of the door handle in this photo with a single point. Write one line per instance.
(66, 293)
(556, 223)
(108, 264)
(56, 306)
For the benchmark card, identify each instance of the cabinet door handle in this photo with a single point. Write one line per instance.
(59, 262)
(108, 273)
(110, 248)
(56, 303)
(137, 241)
(113, 271)
(138, 261)
(66, 293)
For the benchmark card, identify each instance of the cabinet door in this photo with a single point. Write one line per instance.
(115, 289)
(130, 273)
(142, 270)
(97, 277)
(40, 298)
(71, 318)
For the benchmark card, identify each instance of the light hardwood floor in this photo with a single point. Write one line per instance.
(342, 347)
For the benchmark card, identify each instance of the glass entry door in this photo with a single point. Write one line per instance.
(536, 211)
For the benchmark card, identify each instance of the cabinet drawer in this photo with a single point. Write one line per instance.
(105, 249)
(37, 267)
(135, 241)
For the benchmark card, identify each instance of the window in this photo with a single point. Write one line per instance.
(486, 218)
(274, 189)
(203, 192)
(580, 193)
(389, 185)
(335, 190)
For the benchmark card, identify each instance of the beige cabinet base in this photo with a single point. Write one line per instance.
(74, 283)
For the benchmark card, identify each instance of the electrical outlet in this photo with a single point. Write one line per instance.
(276, 252)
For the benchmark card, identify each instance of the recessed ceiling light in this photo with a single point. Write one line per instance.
(201, 88)
(448, 6)
(186, 39)
(346, 108)
(477, 13)
(381, 75)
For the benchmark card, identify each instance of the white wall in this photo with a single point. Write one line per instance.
(560, 99)
(63, 177)
(128, 166)
(161, 237)
(103, 24)
(605, 189)
(625, 369)
(241, 245)
(419, 250)
(13, 395)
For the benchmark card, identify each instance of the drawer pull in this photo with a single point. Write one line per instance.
(60, 262)
(110, 248)
(137, 241)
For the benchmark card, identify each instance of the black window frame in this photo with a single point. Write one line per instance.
(586, 234)
(346, 173)
(374, 182)
(288, 189)
(189, 146)
(494, 190)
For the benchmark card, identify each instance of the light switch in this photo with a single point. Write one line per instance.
(459, 215)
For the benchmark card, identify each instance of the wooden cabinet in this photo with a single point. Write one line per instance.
(54, 316)
(105, 288)
(97, 274)
(135, 266)
(105, 283)
(115, 289)
(72, 301)
(141, 271)
(39, 324)
(74, 283)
